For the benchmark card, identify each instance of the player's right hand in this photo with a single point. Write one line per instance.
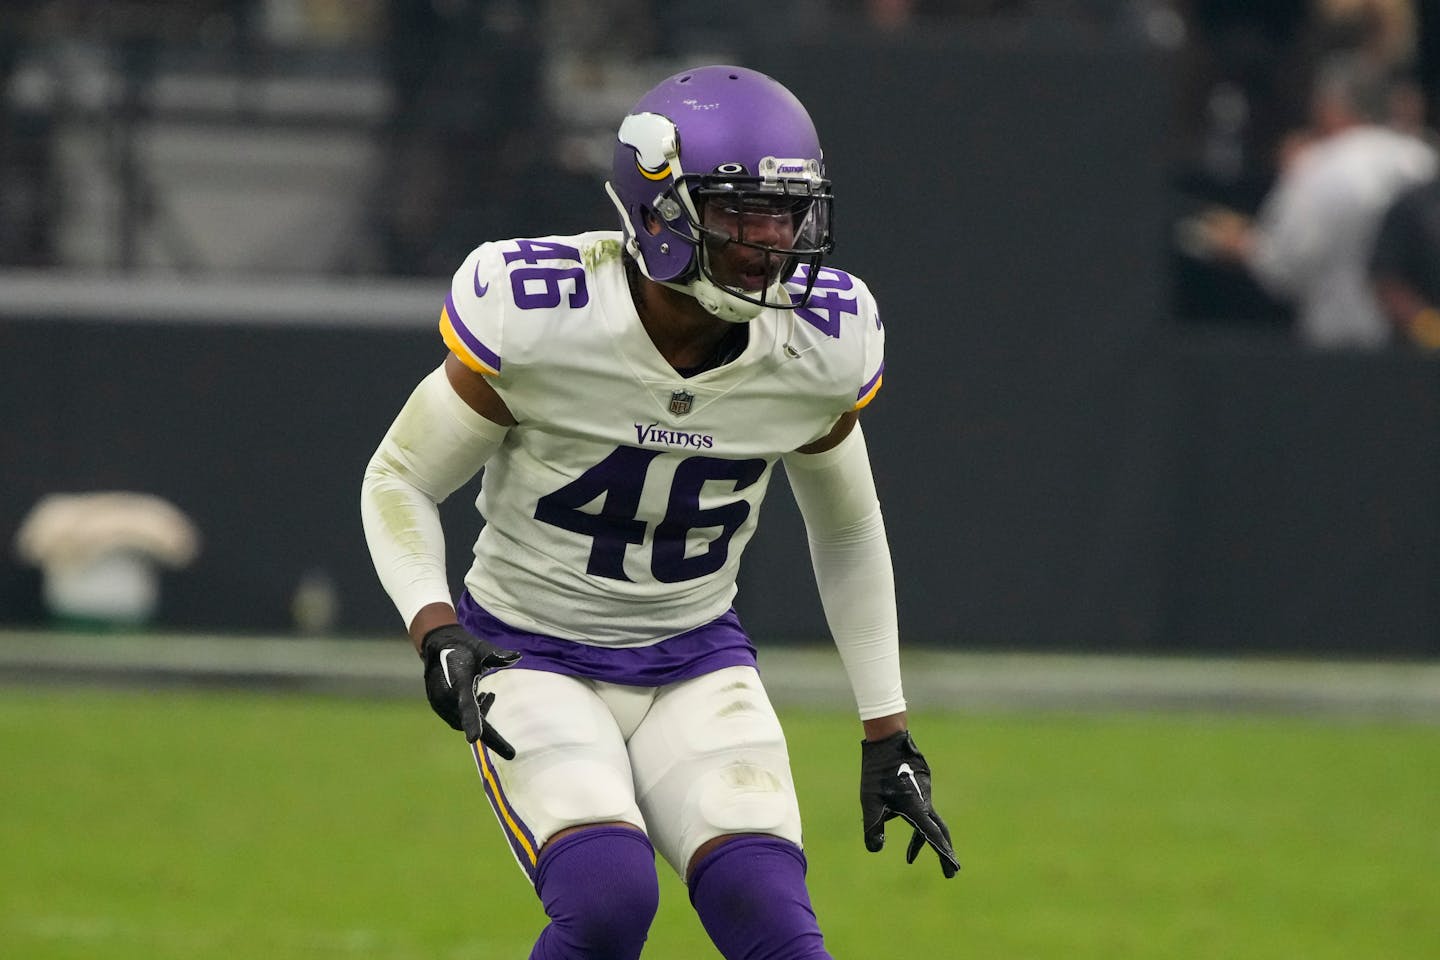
(455, 660)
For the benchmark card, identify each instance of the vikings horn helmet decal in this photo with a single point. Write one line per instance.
(652, 137)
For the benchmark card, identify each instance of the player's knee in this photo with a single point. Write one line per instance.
(600, 891)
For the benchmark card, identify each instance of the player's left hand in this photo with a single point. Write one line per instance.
(455, 659)
(895, 782)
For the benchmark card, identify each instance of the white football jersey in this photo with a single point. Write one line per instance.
(620, 503)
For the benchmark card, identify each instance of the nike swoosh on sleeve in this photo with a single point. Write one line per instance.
(480, 288)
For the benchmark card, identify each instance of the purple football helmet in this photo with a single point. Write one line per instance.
(740, 144)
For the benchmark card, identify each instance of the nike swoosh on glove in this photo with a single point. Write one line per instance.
(895, 782)
(455, 660)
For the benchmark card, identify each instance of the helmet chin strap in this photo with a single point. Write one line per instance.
(717, 299)
(724, 301)
(720, 301)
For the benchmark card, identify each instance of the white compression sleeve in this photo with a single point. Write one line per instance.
(835, 491)
(435, 445)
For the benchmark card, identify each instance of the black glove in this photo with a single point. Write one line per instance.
(455, 659)
(895, 782)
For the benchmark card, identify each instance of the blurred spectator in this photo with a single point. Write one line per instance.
(1245, 75)
(1312, 240)
(1387, 34)
(1382, 31)
(1247, 69)
(1405, 267)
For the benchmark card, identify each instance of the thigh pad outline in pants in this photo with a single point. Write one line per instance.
(570, 765)
(709, 760)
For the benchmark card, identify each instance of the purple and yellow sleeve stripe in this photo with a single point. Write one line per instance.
(522, 841)
(872, 387)
(465, 344)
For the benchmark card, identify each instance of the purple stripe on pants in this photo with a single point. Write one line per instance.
(522, 841)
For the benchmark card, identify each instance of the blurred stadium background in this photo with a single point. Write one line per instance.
(1114, 485)
(225, 228)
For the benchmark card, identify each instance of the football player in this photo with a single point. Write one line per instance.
(628, 394)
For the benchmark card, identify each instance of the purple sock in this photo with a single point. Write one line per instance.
(750, 895)
(600, 893)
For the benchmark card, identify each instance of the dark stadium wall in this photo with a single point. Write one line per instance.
(259, 433)
(1284, 502)
(1307, 499)
(1005, 200)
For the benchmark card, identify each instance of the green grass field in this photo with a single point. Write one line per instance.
(191, 825)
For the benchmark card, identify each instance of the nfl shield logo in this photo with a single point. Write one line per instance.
(680, 402)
